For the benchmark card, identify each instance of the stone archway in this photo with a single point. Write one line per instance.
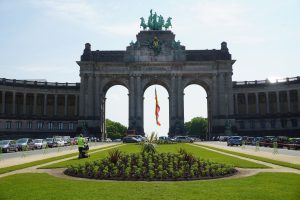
(171, 66)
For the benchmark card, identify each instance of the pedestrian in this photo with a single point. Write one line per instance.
(80, 142)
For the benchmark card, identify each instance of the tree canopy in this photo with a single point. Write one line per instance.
(115, 130)
(196, 127)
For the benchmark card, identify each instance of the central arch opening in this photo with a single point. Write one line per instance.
(150, 124)
(195, 111)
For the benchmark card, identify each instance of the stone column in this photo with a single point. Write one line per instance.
(97, 97)
(298, 92)
(288, 101)
(55, 105)
(229, 93)
(82, 96)
(45, 104)
(215, 110)
(139, 105)
(14, 103)
(267, 102)
(246, 102)
(132, 122)
(236, 104)
(66, 105)
(180, 96)
(180, 107)
(172, 105)
(76, 105)
(3, 101)
(34, 103)
(103, 121)
(90, 99)
(24, 103)
(257, 102)
(277, 101)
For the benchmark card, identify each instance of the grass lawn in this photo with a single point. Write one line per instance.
(39, 162)
(267, 186)
(198, 151)
(276, 162)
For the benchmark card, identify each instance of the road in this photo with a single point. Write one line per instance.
(22, 154)
(261, 149)
(285, 155)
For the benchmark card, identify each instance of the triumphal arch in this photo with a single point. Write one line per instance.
(156, 57)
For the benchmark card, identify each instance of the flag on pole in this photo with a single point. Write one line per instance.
(157, 109)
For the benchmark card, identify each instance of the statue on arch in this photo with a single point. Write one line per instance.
(168, 23)
(143, 24)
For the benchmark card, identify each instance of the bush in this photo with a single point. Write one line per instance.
(148, 148)
(150, 166)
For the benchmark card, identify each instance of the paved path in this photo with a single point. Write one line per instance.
(266, 152)
(49, 154)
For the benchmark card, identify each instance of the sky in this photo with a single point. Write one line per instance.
(43, 39)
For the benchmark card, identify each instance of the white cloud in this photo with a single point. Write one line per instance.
(71, 10)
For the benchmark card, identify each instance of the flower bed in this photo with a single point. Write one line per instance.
(150, 167)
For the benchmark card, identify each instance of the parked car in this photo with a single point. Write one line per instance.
(95, 139)
(117, 140)
(25, 144)
(267, 141)
(60, 142)
(130, 139)
(139, 137)
(8, 145)
(294, 143)
(73, 141)
(249, 140)
(234, 140)
(282, 141)
(256, 139)
(40, 143)
(51, 142)
(67, 140)
(184, 139)
(164, 138)
(223, 138)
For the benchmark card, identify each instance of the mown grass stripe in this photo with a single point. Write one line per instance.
(268, 160)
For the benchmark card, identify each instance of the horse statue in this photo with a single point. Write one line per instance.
(143, 24)
(168, 23)
(161, 22)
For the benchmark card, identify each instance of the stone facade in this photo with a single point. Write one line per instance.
(39, 109)
(156, 58)
(271, 108)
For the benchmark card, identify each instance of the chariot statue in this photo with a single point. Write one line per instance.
(155, 22)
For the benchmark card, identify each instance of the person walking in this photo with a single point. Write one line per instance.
(80, 142)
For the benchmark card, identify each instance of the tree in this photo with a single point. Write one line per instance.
(196, 127)
(115, 130)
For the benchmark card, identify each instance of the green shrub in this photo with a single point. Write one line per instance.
(148, 148)
(148, 166)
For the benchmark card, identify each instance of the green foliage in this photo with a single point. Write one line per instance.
(115, 130)
(150, 166)
(148, 148)
(196, 127)
(114, 155)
